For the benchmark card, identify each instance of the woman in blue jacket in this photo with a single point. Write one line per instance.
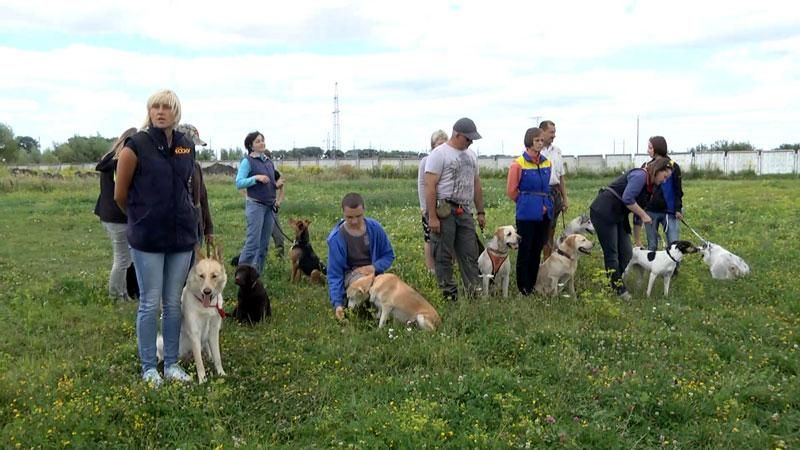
(528, 186)
(257, 176)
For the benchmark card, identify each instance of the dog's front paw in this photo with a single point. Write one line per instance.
(221, 373)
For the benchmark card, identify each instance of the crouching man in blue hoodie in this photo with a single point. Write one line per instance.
(357, 246)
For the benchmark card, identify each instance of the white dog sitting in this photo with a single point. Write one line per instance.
(660, 263)
(724, 265)
(493, 263)
(201, 308)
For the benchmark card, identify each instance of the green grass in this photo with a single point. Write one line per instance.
(713, 366)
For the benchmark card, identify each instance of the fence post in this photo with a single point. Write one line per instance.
(759, 167)
(725, 163)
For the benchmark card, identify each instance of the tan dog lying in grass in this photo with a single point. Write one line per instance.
(393, 298)
(559, 268)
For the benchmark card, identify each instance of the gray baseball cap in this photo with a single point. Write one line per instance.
(467, 127)
(191, 132)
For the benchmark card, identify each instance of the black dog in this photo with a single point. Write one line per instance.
(131, 282)
(304, 259)
(253, 302)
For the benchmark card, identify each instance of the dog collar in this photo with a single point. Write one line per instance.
(560, 252)
(670, 257)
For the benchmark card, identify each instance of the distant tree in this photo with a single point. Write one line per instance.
(205, 154)
(8, 146)
(789, 147)
(49, 157)
(80, 149)
(723, 146)
(27, 143)
(230, 154)
(330, 154)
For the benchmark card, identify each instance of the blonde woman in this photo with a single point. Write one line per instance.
(153, 188)
(114, 220)
(438, 138)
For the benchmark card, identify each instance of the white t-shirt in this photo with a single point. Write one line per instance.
(457, 170)
(421, 184)
(553, 154)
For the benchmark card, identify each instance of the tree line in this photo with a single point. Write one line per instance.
(84, 149)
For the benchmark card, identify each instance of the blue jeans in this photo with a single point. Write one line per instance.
(160, 276)
(260, 221)
(670, 224)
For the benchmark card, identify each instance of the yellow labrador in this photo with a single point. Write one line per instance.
(493, 263)
(393, 298)
(559, 268)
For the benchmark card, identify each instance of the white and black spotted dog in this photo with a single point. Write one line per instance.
(660, 263)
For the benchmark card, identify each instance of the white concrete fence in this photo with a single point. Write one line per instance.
(759, 162)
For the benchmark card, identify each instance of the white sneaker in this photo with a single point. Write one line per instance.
(152, 377)
(174, 372)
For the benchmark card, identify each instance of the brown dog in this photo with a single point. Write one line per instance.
(559, 268)
(304, 260)
(393, 298)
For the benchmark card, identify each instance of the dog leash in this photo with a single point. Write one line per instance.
(693, 231)
(278, 225)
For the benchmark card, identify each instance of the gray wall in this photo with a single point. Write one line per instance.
(760, 162)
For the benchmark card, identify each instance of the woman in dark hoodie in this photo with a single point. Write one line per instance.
(113, 219)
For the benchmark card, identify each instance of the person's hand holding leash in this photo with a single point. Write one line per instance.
(481, 220)
(434, 224)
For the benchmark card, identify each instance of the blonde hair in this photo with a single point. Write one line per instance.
(438, 135)
(118, 145)
(166, 97)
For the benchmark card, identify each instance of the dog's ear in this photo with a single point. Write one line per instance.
(307, 222)
(498, 233)
(218, 251)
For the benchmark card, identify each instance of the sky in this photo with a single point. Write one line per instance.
(692, 71)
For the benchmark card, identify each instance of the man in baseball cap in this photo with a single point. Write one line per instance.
(453, 194)
(191, 132)
(466, 127)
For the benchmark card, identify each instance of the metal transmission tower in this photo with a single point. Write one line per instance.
(337, 132)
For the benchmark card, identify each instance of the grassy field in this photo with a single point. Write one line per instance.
(713, 366)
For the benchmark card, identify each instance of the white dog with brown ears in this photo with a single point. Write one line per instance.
(493, 263)
(559, 268)
(201, 308)
(393, 298)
